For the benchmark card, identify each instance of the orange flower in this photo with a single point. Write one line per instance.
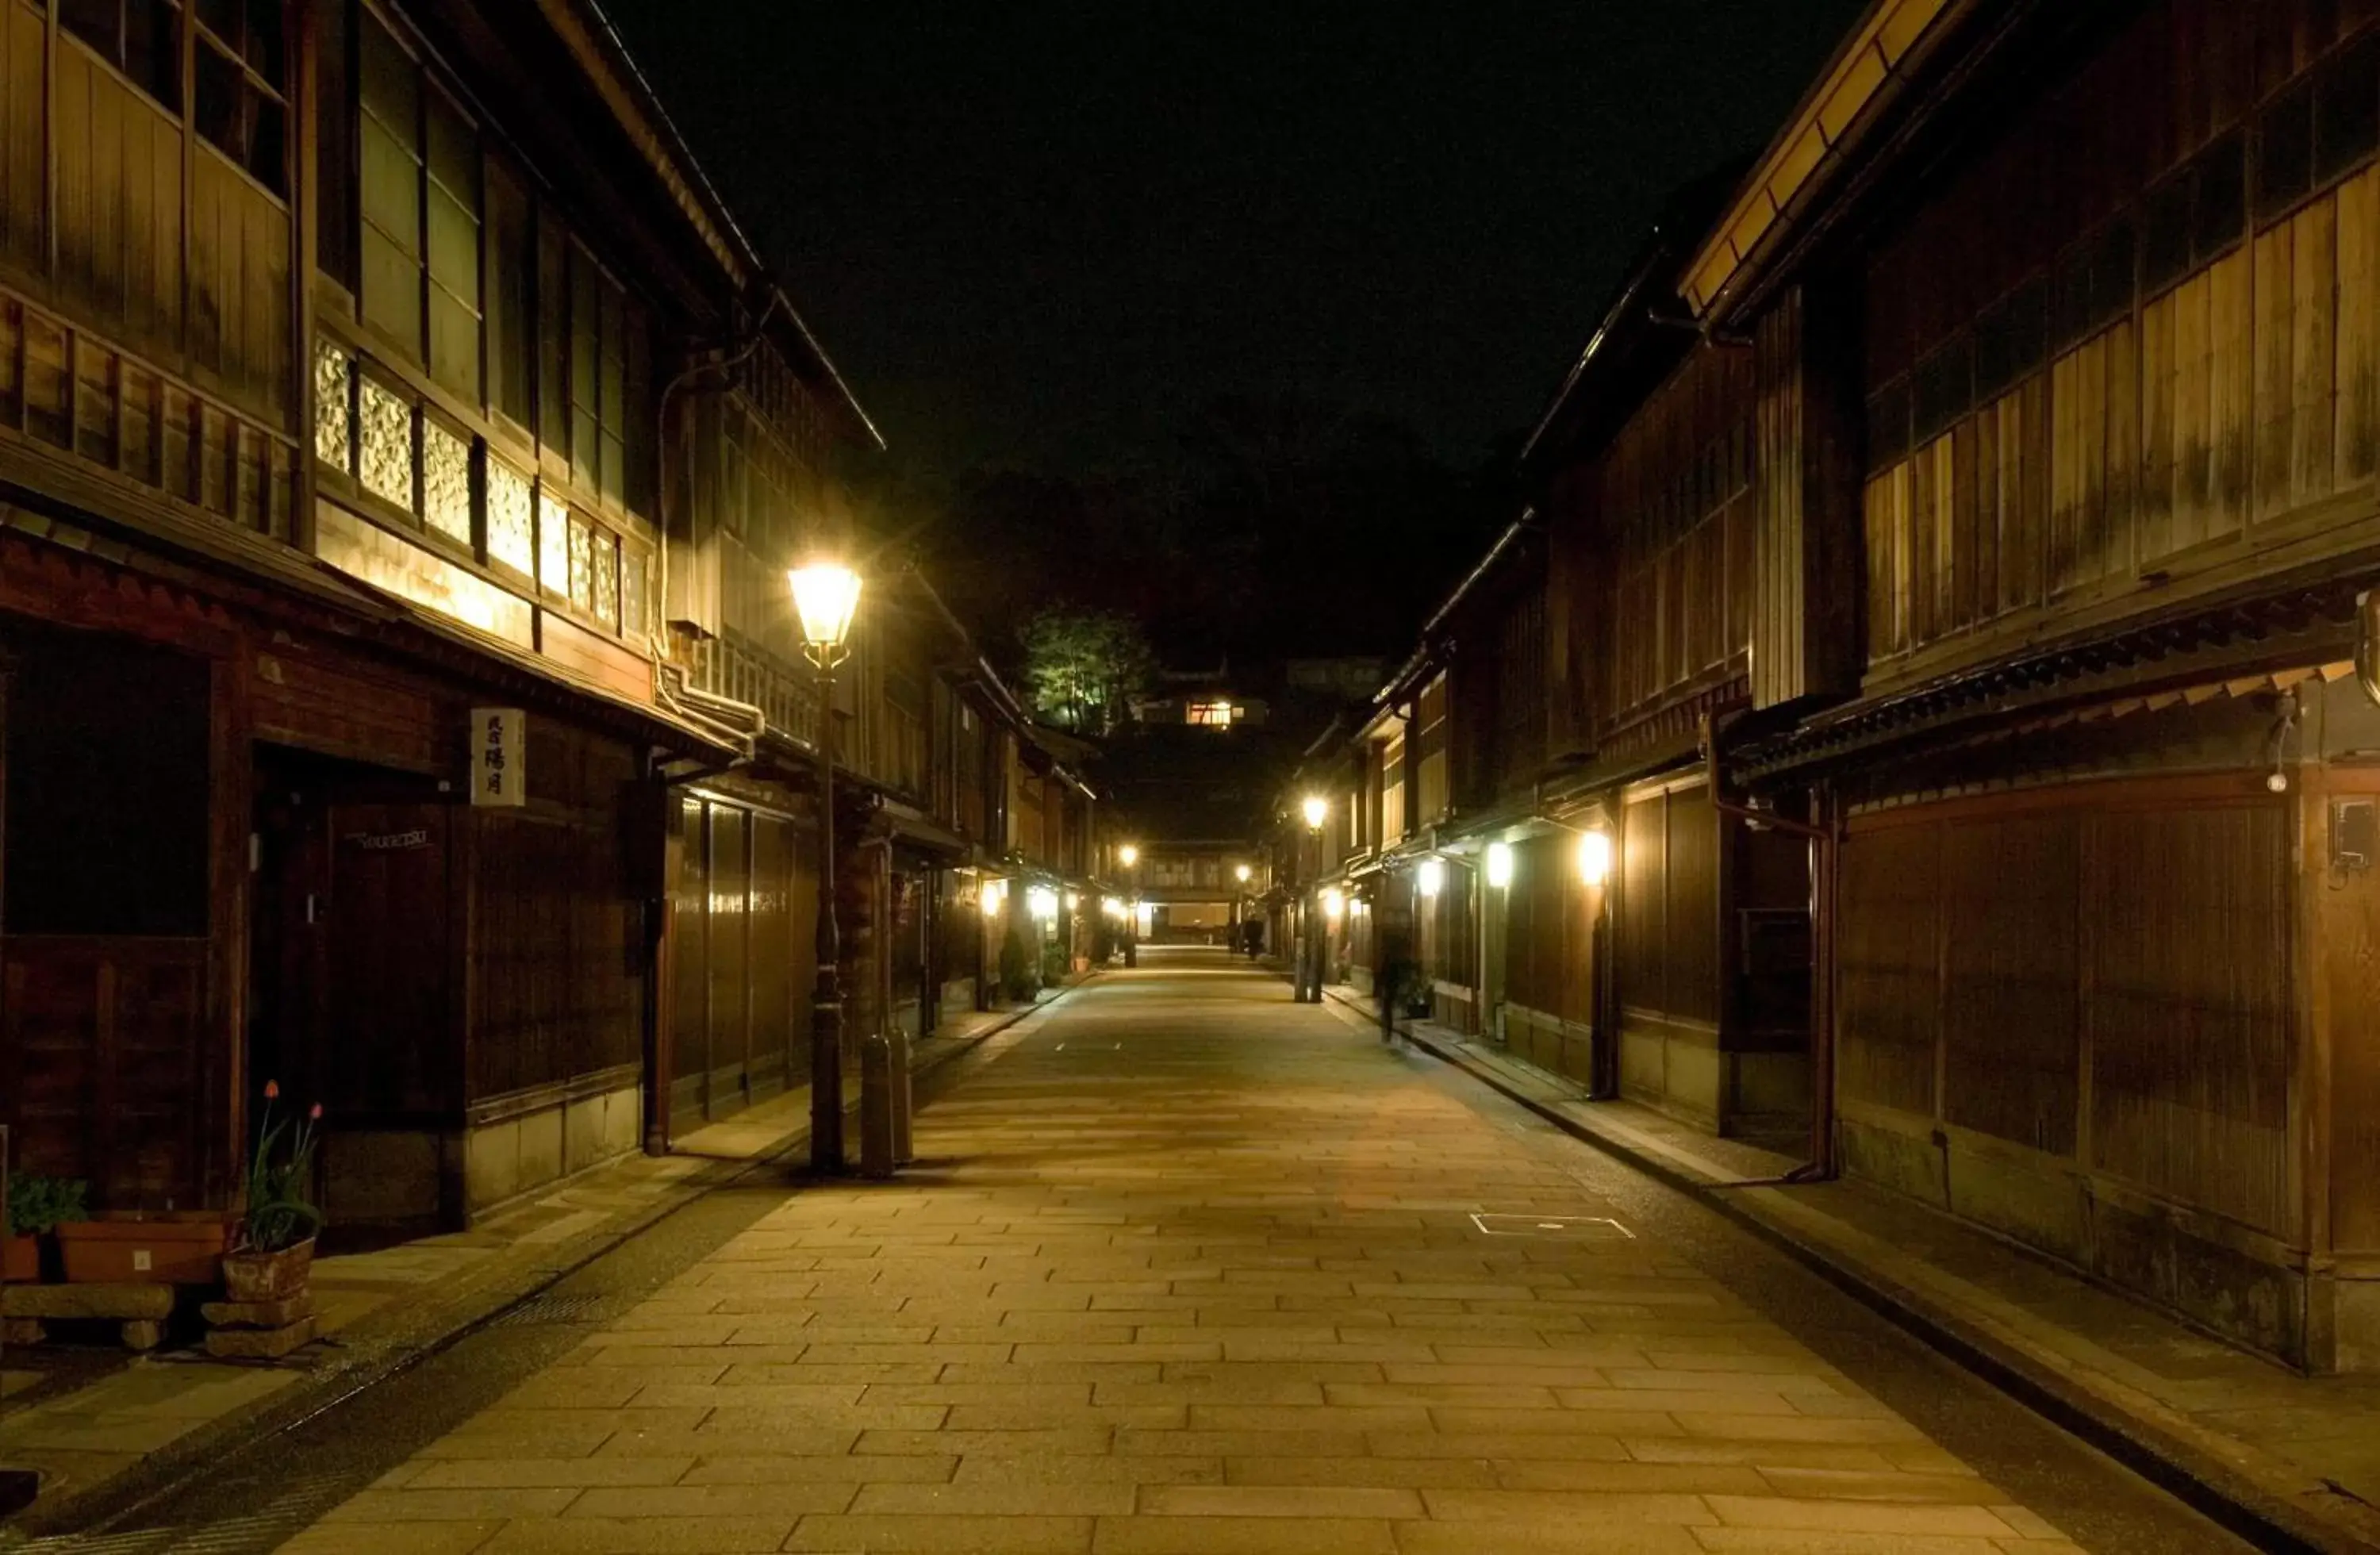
(272, 1090)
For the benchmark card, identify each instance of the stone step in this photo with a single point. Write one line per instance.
(259, 1345)
(259, 1314)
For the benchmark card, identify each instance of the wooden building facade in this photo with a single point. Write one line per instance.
(1936, 626)
(365, 367)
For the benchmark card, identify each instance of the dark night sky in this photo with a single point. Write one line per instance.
(1039, 234)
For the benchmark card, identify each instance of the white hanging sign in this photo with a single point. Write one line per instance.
(499, 756)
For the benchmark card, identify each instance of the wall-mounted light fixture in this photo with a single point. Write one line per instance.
(1317, 810)
(1430, 877)
(1500, 865)
(1334, 903)
(1042, 903)
(1594, 857)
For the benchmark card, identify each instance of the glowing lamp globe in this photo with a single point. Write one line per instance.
(826, 595)
(1317, 810)
(1593, 857)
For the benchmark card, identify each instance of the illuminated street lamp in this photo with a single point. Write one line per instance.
(1129, 856)
(826, 597)
(1240, 874)
(1594, 857)
(1315, 810)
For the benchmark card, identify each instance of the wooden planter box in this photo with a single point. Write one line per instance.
(20, 1259)
(153, 1252)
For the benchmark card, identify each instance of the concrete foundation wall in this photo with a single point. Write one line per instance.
(2228, 1280)
(512, 1156)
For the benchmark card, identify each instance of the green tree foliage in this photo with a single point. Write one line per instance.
(1083, 667)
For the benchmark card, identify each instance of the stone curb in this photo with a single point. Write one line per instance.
(413, 1333)
(2246, 1490)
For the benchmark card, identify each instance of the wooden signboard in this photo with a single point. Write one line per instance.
(499, 752)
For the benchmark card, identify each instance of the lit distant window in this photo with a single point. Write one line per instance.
(1213, 715)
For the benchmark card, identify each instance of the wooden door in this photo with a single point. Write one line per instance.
(389, 1049)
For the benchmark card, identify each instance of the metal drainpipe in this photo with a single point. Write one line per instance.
(2367, 642)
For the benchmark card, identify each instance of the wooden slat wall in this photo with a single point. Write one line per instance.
(2189, 1006)
(1675, 500)
(555, 962)
(2128, 944)
(2172, 436)
(2009, 947)
(1888, 1007)
(24, 226)
(1549, 931)
(119, 209)
(104, 1046)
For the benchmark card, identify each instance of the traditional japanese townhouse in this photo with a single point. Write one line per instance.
(401, 451)
(2104, 277)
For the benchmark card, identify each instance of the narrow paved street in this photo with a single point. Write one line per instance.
(1188, 1267)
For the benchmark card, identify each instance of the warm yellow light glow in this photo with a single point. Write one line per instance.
(1127, 855)
(1317, 810)
(1073, 900)
(1113, 907)
(994, 892)
(1333, 904)
(1594, 857)
(1042, 903)
(1240, 874)
(1500, 865)
(826, 595)
(1212, 715)
(1430, 879)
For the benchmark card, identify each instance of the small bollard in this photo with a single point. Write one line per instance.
(876, 1142)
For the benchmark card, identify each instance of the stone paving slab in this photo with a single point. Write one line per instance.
(1194, 1272)
(2304, 1451)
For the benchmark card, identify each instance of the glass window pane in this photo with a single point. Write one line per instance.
(387, 419)
(446, 481)
(607, 580)
(96, 22)
(265, 55)
(152, 54)
(552, 543)
(390, 82)
(633, 619)
(392, 291)
(511, 263)
(582, 563)
(453, 344)
(334, 133)
(334, 417)
(454, 248)
(510, 520)
(392, 192)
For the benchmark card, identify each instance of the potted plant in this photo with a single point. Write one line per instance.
(271, 1254)
(37, 1206)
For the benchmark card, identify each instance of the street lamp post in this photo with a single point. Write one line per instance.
(1129, 856)
(826, 597)
(1316, 810)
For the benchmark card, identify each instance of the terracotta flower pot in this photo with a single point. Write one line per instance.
(267, 1277)
(20, 1259)
(158, 1251)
